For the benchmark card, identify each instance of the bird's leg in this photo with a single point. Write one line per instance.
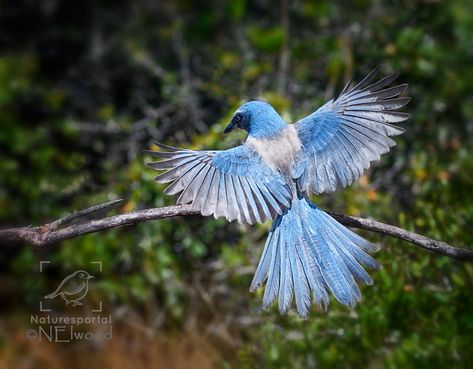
(64, 298)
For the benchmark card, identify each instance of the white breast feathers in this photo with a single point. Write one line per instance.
(280, 151)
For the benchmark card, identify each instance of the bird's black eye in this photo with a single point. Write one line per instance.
(237, 118)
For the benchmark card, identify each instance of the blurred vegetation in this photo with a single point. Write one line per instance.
(85, 86)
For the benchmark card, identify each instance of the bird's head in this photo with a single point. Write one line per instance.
(258, 118)
(82, 274)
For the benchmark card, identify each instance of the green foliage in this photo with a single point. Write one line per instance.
(268, 40)
(72, 110)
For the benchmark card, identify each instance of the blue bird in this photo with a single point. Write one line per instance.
(271, 175)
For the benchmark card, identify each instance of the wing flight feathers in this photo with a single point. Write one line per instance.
(345, 135)
(232, 183)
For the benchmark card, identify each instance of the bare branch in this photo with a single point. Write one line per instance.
(49, 234)
(430, 244)
(83, 213)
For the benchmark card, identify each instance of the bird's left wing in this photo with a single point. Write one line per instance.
(343, 137)
(234, 183)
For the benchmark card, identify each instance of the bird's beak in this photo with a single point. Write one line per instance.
(229, 128)
(91, 276)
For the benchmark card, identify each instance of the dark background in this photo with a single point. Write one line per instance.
(84, 88)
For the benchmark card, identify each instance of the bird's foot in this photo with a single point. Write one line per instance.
(76, 303)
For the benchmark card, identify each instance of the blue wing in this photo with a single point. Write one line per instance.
(234, 183)
(342, 137)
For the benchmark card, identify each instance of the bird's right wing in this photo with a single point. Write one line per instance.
(344, 136)
(234, 183)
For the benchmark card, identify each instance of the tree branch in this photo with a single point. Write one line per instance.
(51, 233)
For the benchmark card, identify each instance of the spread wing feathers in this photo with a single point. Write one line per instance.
(342, 137)
(232, 183)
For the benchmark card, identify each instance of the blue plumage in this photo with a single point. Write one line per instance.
(307, 254)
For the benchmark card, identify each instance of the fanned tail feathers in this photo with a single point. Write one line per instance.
(308, 254)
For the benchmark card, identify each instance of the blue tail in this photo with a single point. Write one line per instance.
(307, 250)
